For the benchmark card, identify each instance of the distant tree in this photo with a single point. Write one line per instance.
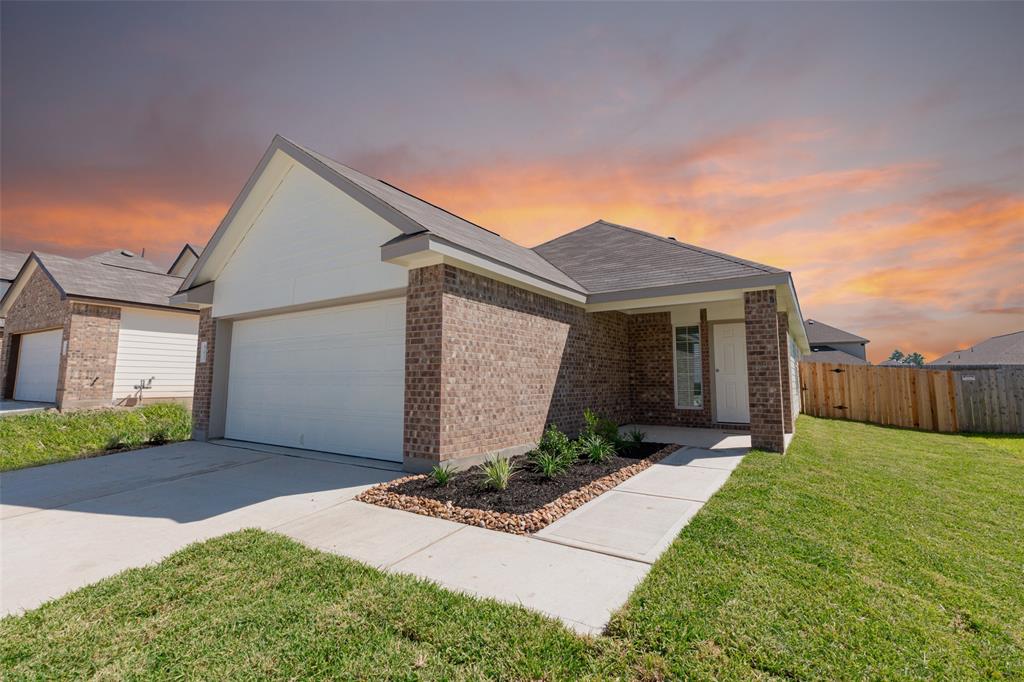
(915, 359)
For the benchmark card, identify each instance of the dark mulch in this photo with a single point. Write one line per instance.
(527, 490)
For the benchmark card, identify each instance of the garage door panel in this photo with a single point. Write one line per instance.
(38, 366)
(330, 379)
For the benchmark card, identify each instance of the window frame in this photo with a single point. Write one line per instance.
(675, 366)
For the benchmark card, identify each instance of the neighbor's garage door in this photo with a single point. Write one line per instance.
(331, 379)
(38, 362)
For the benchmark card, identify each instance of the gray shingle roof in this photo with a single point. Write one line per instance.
(1007, 349)
(449, 226)
(126, 259)
(607, 257)
(819, 332)
(10, 264)
(92, 277)
(833, 356)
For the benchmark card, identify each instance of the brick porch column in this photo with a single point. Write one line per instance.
(423, 364)
(787, 388)
(763, 369)
(203, 390)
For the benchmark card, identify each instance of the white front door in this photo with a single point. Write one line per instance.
(731, 399)
(331, 379)
(38, 363)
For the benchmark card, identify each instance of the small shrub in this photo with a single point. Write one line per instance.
(497, 472)
(159, 436)
(600, 426)
(442, 475)
(124, 440)
(550, 464)
(556, 443)
(633, 439)
(595, 448)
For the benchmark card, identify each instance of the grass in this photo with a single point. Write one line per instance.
(43, 438)
(863, 553)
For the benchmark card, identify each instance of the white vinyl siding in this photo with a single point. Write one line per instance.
(330, 379)
(794, 375)
(38, 365)
(155, 345)
(689, 379)
(309, 243)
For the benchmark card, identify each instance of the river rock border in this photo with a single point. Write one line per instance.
(518, 524)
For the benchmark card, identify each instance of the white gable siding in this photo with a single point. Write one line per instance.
(158, 345)
(311, 242)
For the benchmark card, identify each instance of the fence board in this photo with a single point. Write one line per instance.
(948, 400)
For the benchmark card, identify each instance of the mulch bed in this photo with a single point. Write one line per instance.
(531, 501)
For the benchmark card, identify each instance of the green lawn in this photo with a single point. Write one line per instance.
(864, 553)
(42, 438)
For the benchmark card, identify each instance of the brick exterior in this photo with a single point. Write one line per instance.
(764, 370)
(85, 377)
(38, 307)
(652, 387)
(203, 388)
(88, 366)
(787, 392)
(511, 362)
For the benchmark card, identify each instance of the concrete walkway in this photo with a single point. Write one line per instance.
(67, 525)
(12, 407)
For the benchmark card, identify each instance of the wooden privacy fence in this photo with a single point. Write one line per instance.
(989, 400)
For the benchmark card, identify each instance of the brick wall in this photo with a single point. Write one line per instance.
(38, 307)
(203, 387)
(652, 389)
(511, 361)
(764, 370)
(787, 390)
(88, 366)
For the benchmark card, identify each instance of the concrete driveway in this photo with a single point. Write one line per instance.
(64, 526)
(70, 524)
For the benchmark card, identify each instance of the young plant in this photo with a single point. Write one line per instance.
(159, 436)
(442, 475)
(554, 442)
(600, 426)
(497, 472)
(549, 464)
(634, 438)
(595, 448)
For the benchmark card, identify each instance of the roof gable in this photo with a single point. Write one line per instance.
(819, 332)
(1006, 349)
(410, 214)
(604, 257)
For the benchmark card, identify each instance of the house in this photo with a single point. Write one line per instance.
(342, 314)
(96, 331)
(10, 264)
(1006, 349)
(831, 344)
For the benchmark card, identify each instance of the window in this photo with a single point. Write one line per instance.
(689, 379)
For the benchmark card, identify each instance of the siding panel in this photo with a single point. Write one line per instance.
(158, 345)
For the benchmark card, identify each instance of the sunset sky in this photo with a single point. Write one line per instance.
(876, 150)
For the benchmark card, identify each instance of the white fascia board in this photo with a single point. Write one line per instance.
(196, 298)
(426, 249)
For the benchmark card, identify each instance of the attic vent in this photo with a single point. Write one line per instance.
(126, 252)
(672, 238)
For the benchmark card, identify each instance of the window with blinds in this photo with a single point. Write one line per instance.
(689, 381)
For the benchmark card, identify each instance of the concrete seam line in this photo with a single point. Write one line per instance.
(427, 546)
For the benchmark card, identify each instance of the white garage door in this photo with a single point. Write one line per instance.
(331, 379)
(38, 363)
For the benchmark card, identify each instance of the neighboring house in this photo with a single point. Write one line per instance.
(184, 261)
(342, 314)
(88, 332)
(831, 344)
(10, 264)
(1007, 349)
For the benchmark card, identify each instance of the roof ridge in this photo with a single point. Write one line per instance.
(692, 247)
(146, 272)
(316, 154)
